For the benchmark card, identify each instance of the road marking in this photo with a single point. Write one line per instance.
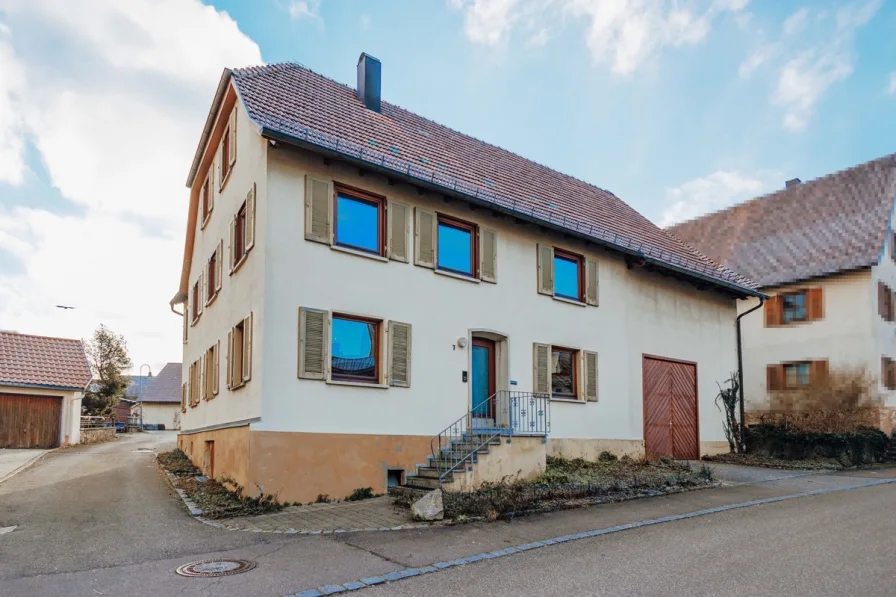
(405, 573)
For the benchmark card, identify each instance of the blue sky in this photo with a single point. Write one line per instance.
(677, 106)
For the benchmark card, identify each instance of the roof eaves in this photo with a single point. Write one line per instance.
(328, 144)
(209, 124)
(16, 384)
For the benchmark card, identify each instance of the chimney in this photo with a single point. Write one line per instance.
(792, 183)
(369, 69)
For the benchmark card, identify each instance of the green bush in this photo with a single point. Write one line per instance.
(863, 446)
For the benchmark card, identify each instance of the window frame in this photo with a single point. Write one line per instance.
(805, 294)
(239, 236)
(377, 356)
(575, 353)
(580, 262)
(208, 384)
(196, 295)
(237, 380)
(205, 196)
(225, 155)
(211, 274)
(458, 224)
(792, 364)
(362, 197)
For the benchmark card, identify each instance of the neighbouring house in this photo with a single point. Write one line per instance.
(160, 402)
(42, 381)
(137, 384)
(362, 285)
(825, 252)
(126, 412)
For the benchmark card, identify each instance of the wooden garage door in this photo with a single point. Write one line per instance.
(670, 408)
(29, 421)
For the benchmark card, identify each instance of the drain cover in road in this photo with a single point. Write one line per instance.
(213, 568)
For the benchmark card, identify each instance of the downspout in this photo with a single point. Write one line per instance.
(740, 367)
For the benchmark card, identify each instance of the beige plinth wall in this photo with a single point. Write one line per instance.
(590, 449)
(518, 458)
(231, 454)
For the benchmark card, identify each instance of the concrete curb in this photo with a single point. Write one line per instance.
(25, 466)
(404, 573)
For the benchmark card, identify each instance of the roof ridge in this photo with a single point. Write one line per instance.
(808, 183)
(430, 120)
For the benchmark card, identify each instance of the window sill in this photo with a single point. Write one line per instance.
(242, 384)
(194, 321)
(240, 263)
(570, 400)
(205, 220)
(212, 298)
(351, 251)
(226, 179)
(463, 277)
(357, 384)
(570, 301)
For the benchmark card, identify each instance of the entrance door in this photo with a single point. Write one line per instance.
(483, 378)
(670, 408)
(28, 421)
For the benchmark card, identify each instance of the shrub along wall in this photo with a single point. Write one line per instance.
(865, 445)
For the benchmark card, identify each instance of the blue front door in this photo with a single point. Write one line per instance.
(483, 378)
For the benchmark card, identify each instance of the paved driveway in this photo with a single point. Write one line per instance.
(14, 460)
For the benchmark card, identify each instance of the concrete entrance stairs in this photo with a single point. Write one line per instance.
(459, 456)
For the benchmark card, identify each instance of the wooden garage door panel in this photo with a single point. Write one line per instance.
(657, 440)
(684, 410)
(28, 421)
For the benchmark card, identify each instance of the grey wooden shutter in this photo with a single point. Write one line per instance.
(546, 269)
(231, 259)
(399, 225)
(210, 186)
(592, 282)
(217, 369)
(590, 359)
(247, 348)
(399, 354)
(542, 368)
(425, 238)
(250, 218)
(186, 319)
(488, 255)
(233, 137)
(314, 326)
(219, 265)
(201, 295)
(229, 363)
(318, 209)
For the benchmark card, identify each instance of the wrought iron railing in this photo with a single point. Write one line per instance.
(504, 414)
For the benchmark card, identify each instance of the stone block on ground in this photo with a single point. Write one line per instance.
(429, 507)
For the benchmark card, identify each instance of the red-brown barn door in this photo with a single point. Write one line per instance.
(28, 421)
(670, 408)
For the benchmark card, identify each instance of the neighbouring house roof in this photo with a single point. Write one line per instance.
(137, 384)
(41, 361)
(831, 224)
(166, 386)
(292, 104)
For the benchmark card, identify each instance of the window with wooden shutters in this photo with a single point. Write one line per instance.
(815, 304)
(232, 129)
(541, 358)
(242, 231)
(884, 301)
(590, 359)
(794, 306)
(774, 378)
(592, 283)
(228, 366)
(219, 265)
(212, 282)
(207, 196)
(545, 269)
(250, 219)
(318, 209)
(246, 357)
(216, 369)
(399, 227)
(888, 373)
(424, 238)
(488, 255)
(237, 362)
(773, 311)
(313, 340)
(196, 299)
(799, 375)
(399, 354)
(224, 160)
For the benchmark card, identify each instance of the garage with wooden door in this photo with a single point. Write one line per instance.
(670, 408)
(29, 421)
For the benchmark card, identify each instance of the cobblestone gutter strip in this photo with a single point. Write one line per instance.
(404, 573)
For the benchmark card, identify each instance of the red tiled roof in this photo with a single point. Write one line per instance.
(291, 102)
(830, 224)
(42, 361)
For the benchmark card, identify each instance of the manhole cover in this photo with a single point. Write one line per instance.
(212, 568)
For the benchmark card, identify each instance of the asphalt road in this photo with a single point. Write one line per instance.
(837, 544)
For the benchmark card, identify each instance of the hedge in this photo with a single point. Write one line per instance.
(863, 446)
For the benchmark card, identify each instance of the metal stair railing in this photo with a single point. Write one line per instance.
(507, 413)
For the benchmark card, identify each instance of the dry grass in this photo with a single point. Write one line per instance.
(843, 401)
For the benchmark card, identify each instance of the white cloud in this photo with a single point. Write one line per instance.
(892, 88)
(796, 22)
(706, 194)
(115, 114)
(621, 33)
(12, 145)
(303, 9)
(756, 59)
(803, 80)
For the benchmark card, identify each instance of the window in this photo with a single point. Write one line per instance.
(359, 221)
(239, 353)
(225, 154)
(207, 198)
(564, 382)
(195, 380)
(794, 307)
(885, 302)
(227, 151)
(242, 232)
(568, 275)
(212, 277)
(888, 373)
(797, 375)
(355, 349)
(457, 246)
(197, 299)
(183, 397)
(210, 383)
